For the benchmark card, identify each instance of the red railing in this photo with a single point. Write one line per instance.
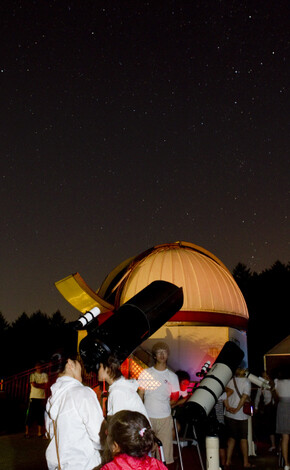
(18, 386)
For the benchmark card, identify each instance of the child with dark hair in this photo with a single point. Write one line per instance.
(130, 438)
(122, 392)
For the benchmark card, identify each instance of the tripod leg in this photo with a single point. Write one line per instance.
(178, 443)
(198, 449)
(161, 452)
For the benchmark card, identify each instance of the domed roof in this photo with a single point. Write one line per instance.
(210, 291)
(211, 295)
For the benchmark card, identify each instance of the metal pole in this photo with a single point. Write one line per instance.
(198, 449)
(178, 443)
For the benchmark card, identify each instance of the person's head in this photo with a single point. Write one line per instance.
(129, 432)
(69, 365)
(240, 372)
(184, 379)
(109, 370)
(160, 352)
(265, 375)
(38, 366)
(73, 369)
(283, 372)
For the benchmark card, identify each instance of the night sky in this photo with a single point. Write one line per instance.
(127, 124)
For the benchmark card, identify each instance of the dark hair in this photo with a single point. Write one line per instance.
(114, 366)
(58, 361)
(182, 375)
(132, 432)
(159, 345)
(283, 372)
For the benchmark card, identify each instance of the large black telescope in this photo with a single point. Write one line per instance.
(131, 324)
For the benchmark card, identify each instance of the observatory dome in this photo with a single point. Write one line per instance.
(211, 295)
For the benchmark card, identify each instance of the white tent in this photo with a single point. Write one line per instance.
(278, 356)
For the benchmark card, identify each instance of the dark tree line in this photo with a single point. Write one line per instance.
(267, 298)
(29, 339)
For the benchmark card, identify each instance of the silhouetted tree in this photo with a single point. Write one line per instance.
(17, 344)
(266, 295)
(4, 328)
(57, 320)
(38, 338)
(243, 277)
(35, 338)
(63, 337)
(4, 325)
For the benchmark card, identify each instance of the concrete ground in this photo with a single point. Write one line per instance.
(17, 453)
(264, 460)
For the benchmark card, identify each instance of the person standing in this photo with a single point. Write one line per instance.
(178, 414)
(282, 389)
(122, 392)
(37, 397)
(236, 420)
(266, 408)
(73, 420)
(159, 388)
(221, 427)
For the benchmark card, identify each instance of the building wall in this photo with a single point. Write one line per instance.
(191, 346)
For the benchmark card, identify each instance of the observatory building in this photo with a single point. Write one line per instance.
(213, 312)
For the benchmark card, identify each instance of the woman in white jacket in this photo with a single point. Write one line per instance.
(122, 392)
(73, 419)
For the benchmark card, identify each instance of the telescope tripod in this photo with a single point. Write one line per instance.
(184, 439)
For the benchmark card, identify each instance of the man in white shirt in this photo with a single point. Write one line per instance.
(159, 387)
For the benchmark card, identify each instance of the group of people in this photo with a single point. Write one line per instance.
(273, 406)
(138, 417)
(276, 416)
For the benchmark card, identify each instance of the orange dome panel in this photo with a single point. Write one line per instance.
(207, 284)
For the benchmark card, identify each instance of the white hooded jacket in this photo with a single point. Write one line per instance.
(123, 396)
(77, 414)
